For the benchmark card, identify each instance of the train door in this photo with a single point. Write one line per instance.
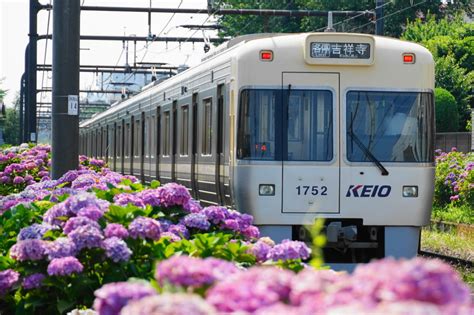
(311, 168)
(220, 158)
(174, 144)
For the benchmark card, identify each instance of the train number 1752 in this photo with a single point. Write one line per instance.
(313, 190)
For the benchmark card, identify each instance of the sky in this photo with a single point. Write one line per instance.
(14, 19)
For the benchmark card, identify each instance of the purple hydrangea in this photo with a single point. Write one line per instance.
(112, 297)
(86, 236)
(116, 249)
(192, 206)
(84, 200)
(115, 230)
(169, 304)
(61, 247)
(250, 232)
(310, 286)
(178, 230)
(91, 212)
(64, 266)
(249, 291)
(193, 272)
(260, 250)
(197, 221)
(425, 280)
(143, 227)
(28, 250)
(33, 281)
(56, 215)
(18, 180)
(171, 237)
(289, 250)
(215, 214)
(125, 199)
(149, 197)
(8, 278)
(34, 231)
(173, 194)
(75, 222)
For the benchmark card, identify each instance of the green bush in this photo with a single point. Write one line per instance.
(447, 117)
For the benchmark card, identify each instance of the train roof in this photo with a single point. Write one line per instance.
(228, 49)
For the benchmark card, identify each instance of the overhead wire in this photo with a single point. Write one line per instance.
(354, 17)
(153, 39)
(389, 15)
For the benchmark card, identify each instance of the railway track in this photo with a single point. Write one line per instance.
(448, 259)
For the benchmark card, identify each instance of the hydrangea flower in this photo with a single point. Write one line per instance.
(192, 206)
(86, 236)
(56, 214)
(289, 250)
(28, 250)
(173, 194)
(112, 297)
(64, 266)
(193, 272)
(83, 200)
(196, 220)
(60, 247)
(249, 291)
(115, 229)
(169, 304)
(33, 281)
(34, 231)
(260, 250)
(143, 227)
(75, 222)
(425, 280)
(125, 198)
(178, 230)
(215, 214)
(8, 278)
(91, 212)
(116, 249)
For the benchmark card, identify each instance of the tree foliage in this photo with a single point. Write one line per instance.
(447, 117)
(397, 13)
(451, 41)
(11, 127)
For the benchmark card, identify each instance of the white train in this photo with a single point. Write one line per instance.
(290, 128)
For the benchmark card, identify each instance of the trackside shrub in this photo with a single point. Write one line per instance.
(447, 117)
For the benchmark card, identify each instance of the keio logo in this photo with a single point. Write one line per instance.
(368, 191)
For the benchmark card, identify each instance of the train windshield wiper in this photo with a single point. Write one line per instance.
(368, 154)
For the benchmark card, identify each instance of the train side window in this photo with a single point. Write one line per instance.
(119, 141)
(127, 141)
(207, 127)
(184, 130)
(136, 138)
(166, 133)
(152, 137)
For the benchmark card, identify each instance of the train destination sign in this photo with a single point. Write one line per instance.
(340, 50)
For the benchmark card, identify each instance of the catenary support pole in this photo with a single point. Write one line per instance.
(65, 116)
(31, 78)
(379, 17)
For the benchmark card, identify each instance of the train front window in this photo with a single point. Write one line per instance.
(392, 126)
(257, 120)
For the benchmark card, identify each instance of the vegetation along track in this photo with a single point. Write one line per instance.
(448, 259)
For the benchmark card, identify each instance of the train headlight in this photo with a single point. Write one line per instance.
(410, 191)
(266, 190)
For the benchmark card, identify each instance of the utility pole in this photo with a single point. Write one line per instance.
(65, 115)
(379, 18)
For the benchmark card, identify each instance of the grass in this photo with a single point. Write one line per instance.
(451, 244)
(452, 213)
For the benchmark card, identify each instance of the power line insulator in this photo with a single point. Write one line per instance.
(207, 48)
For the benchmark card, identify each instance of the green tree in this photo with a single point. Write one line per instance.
(397, 13)
(451, 41)
(447, 117)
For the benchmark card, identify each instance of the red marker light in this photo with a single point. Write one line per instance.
(408, 58)
(266, 55)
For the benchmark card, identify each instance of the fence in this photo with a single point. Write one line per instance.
(461, 140)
